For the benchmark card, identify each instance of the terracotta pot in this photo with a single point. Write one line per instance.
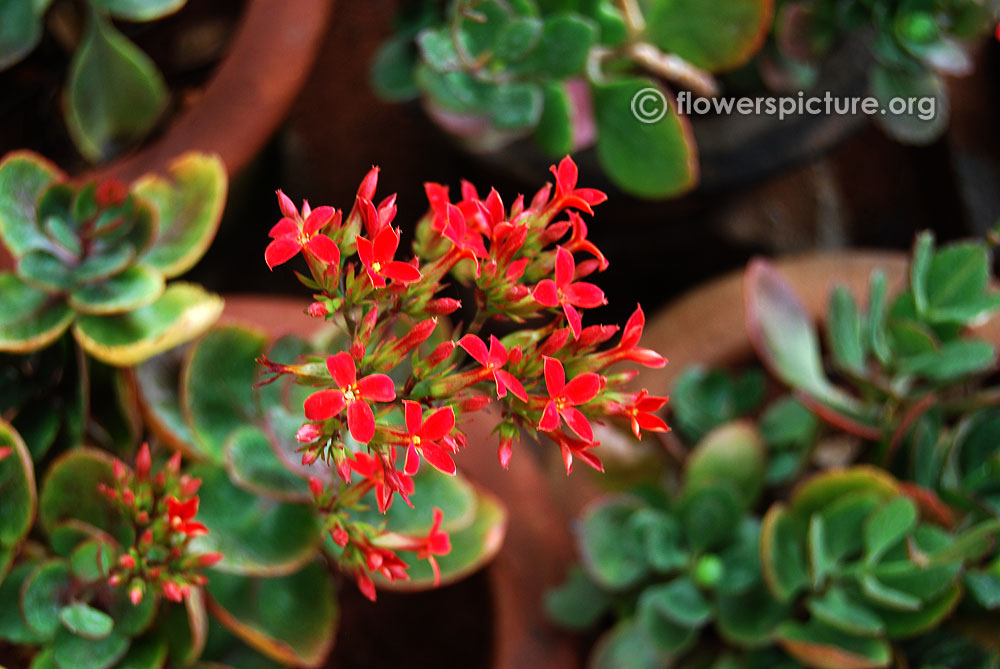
(534, 555)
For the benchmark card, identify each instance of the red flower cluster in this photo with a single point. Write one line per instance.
(162, 508)
(405, 381)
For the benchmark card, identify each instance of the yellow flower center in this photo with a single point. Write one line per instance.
(376, 267)
(352, 393)
(416, 440)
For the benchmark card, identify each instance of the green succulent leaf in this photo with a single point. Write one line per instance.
(291, 619)
(703, 399)
(826, 488)
(71, 650)
(253, 466)
(554, 132)
(13, 627)
(149, 652)
(709, 516)
(515, 106)
(517, 38)
(953, 361)
(114, 93)
(715, 37)
(105, 265)
(158, 383)
(190, 203)
(183, 312)
(958, 284)
(577, 604)
(889, 85)
(650, 160)
(257, 536)
(984, 586)
(45, 271)
(24, 177)
(562, 50)
(730, 456)
(680, 602)
(42, 596)
(783, 560)
(839, 610)
(818, 645)
(749, 618)
(907, 624)
(69, 492)
(887, 526)
(136, 287)
(21, 25)
(140, 10)
(392, 70)
(662, 538)
(17, 490)
(628, 644)
(611, 550)
(92, 560)
(86, 621)
(887, 597)
(844, 331)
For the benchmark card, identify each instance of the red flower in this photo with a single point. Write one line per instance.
(628, 348)
(641, 412)
(424, 436)
(493, 359)
(435, 543)
(352, 393)
(377, 257)
(291, 234)
(574, 447)
(384, 477)
(180, 515)
(564, 292)
(565, 397)
(567, 194)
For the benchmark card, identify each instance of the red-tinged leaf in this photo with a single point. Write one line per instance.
(280, 251)
(361, 421)
(343, 370)
(838, 419)
(931, 506)
(324, 404)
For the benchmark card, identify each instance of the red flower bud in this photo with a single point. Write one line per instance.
(309, 456)
(110, 192)
(135, 594)
(174, 463)
(315, 486)
(172, 591)
(504, 452)
(308, 433)
(147, 537)
(286, 205)
(515, 356)
(443, 306)
(358, 351)
(128, 497)
(209, 559)
(143, 461)
(114, 580)
(127, 561)
(366, 585)
(189, 486)
(318, 310)
(155, 572)
(339, 536)
(441, 353)
(366, 190)
(143, 517)
(119, 471)
(474, 403)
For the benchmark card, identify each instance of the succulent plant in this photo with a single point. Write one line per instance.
(914, 45)
(567, 73)
(95, 257)
(114, 94)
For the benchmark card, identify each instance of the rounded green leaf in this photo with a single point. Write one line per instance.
(750, 618)
(12, 625)
(782, 553)
(253, 466)
(611, 549)
(149, 652)
(43, 595)
(104, 265)
(21, 24)
(69, 491)
(182, 313)
(817, 645)
(710, 517)
(190, 204)
(576, 604)
(714, 36)
(472, 547)
(140, 10)
(17, 490)
(650, 160)
(30, 319)
(158, 383)
(92, 560)
(86, 621)
(889, 525)
(454, 495)
(838, 609)
(680, 602)
(627, 644)
(919, 123)
(257, 535)
(24, 176)
(81, 653)
(114, 93)
(730, 456)
(217, 385)
(136, 287)
(824, 489)
(292, 619)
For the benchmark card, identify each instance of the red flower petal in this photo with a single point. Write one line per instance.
(438, 458)
(633, 329)
(573, 317)
(361, 421)
(280, 251)
(565, 267)
(365, 251)
(412, 464)
(550, 418)
(319, 218)
(324, 404)
(378, 387)
(385, 245)
(286, 227)
(648, 421)
(475, 347)
(324, 249)
(591, 196)
(578, 423)
(414, 416)
(583, 388)
(555, 377)
(437, 425)
(342, 369)
(512, 384)
(401, 271)
(498, 352)
(585, 295)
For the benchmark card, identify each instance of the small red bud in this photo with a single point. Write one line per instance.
(441, 353)
(115, 580)
(160, 479)
(128, 497)
(474, 403)
(339, 536)
(189, 486)
(358, 351)
(366, 190)
(308, 433)
(287, 206)
(172, 592)
(174, 463)
(515, 356)
(443, 306)
(110, 192)
(209, 559)
(119, 471)
(143, 462)
(318, 310)
(127, 561)
(135, 594)
(143, 517)
(147, 537)
(373, 560)
(315, 486)
(505, 452)
(155, 572)
(308, 457)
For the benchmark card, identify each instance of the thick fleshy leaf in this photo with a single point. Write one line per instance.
(709, 515)
(958, 289)
(703, 399)
(257, 536)
(731, 456)
(843, 328)
(472, 547)
(627, 644)
(140, 10)
(292, 619)
(187, 627)
(24, 176)
(825, 648)
(718, 36)
(75, 651)
(182, 313)
(148, 652)
(136, 287)
(45, 271)
(647, 159)
(13, 627)
(17, 490)
(822, 489)
(783, 560)
(217, 385)
(454, 495)
(680, 602)
(158, 384)
(190, 204)
(750, 618)
(86, 621)
(919, 123)
(69, 491)
(578, 603)
(253, 465)
(21, 25)
(611, 551)
(114, 93)
(888, 525)
(837, 609)
(42, 596)
(30, 319)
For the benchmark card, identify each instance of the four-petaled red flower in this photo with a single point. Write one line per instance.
(424, 435)
(377, 257)
(435, 543)
(563, 291)
(292, 234)
(642, 413)
(493, 359)
(567, 194)
(180, 516)
(353, 393)
(565, 397)
(384, 478)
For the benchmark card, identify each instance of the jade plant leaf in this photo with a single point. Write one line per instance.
(817, 645)
(844, 331)
(114, 93)
(71, 650)
(627, 644)
(135, 287)
(183, 312)
(149, 652)
(158, 383)
(783, 561)
(292, 619)
(86, 621)
(24, 176)
(253, 466)
(190, 203)
(650, 160)
(716, 37)
(730, 456)
(562, 49)
(257, 536)
(21, 25)
(13, 627)
(17, 490)
(680, 602)
(554, 132)
(611, 551)
(578, 603)
(918, 124)
(703, 399)
(140, 10)
(957, 285)
(709, 516)
(42, 596)
(30, 319)
(69, 492)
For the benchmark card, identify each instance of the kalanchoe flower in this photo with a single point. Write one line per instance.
(642, 413)
(162, 507)
(564, 292)
(385, 479)
(435, 543)
(293, 234)
(423, 436)
(493, 359)
(352, 393)
(567, 194)
(565, 397)
(378, 258)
